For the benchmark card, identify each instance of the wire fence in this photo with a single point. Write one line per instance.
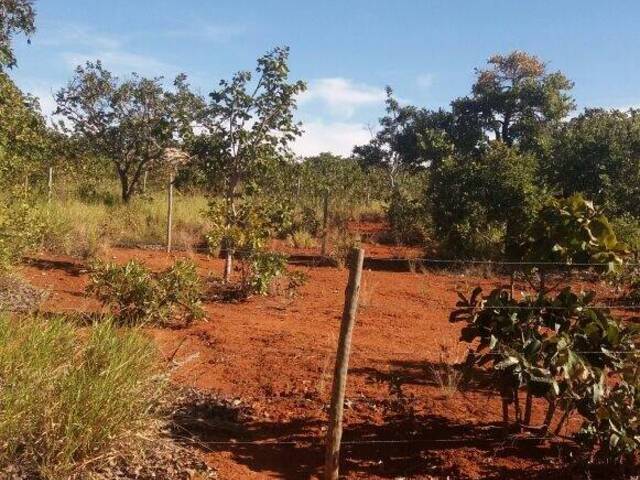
(428, 260)
(318, 440)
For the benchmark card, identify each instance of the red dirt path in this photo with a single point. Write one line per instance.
(275, 354)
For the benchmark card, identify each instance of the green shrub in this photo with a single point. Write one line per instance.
(565, 349)
(573, 230)
(343, 243)
(407, 220)
(308, 221)
(138, 296)
(265, 267)
(69, 399)
(468, 240)
(21, 227)
(627, 228)
(260, 273)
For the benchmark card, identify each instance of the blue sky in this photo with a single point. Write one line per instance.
(346, 50)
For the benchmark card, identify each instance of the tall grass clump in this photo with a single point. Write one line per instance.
(70, 399)
(80, 228)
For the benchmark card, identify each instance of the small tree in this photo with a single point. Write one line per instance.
(131, 122)
(246, 124)
(397, 145)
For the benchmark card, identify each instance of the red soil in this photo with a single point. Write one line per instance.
(275, 354)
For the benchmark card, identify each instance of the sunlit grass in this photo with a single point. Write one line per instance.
(70, 398)
(79, 228)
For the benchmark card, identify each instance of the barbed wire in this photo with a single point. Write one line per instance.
(319, 441)
(550, 307)
(319, 257)
(498, 262)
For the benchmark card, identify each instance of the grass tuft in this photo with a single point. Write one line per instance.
(69, 398)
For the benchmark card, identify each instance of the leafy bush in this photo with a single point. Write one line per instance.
(21, 227)
(482, 203)
(343, 243)
(69, 400)
(574, 230)
(138, 296)
(466, 239)
(246, 227)
(264, 268)
(627, 228)
(611, 429)
(564, 349)
(407, 219)
(261, 273)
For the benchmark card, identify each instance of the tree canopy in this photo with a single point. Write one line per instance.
(516, 100)
(131, 122)
(16, 16)
(23, 133)
(249, 120)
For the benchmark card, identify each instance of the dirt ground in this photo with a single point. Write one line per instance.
(273, 357)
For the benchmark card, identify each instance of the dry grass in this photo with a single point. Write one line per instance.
(368, 291)
(72, 398)
(302, 239)
(85, 230)
(446, 374)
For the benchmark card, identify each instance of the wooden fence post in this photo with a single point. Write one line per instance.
(50, 185)
(325, 223)
(169, 212)
(334, 432)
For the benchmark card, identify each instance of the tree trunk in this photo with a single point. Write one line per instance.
(228, 260)
(50, 186)
(527, 409)
(325, 224)
(125, 187)
(231, 219)
(549, 416)
(169, 211)
(511, 240)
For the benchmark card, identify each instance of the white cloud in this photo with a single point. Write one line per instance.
(425, 80)
(341, 95)
(78, 36)
(121, 62)
(44, 91)
(79, 43)
(626, 107)
(334, 137)
(47, 101)
(210, 32)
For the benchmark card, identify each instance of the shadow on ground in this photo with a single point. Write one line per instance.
(401, 445)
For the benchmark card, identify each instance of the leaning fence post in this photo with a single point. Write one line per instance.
(169, 211)
(334, 432)
(50, 185)
(325, 223)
